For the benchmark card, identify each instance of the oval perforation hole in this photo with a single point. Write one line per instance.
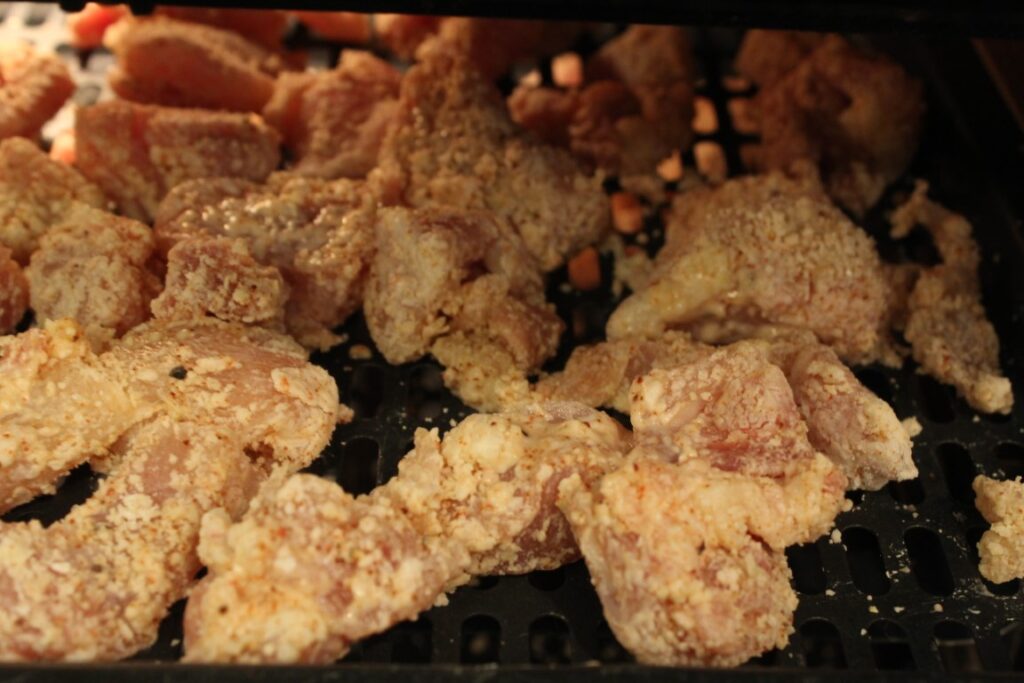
(935, 399)
(864, 558)
(808, 571)
(821, 644)
(958, 469)
(957, 648)
(37, 13)
(483, 583)
(547, 580)
(1010, 587)
(367, 391)
(549, 641)
(481, 640)
(609, 650)
(890, 647)
(412, 642)
(909, 492)
(1010, 457)
(928, 561)
(876, 381)
(359, 470)
(426, 389)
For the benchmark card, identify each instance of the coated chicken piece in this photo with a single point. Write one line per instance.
(452, 143)
(211, 68)
(308, 571)
(35, 193)
(1001, 548)
(13, 292)
(64, 405)
(764, 251)
(137, 153)
(318, 233)
(684, 542)
(854, 428)
(95, 585)
(676, 590)
(949, 334)
(491, 484)
(341, 27)
(264, 27)
(633, 111)
(91, 268)
(218, 277)
(33, 87)
(402, 34)
(854, 114)
(462, 285)
(766, 56)
(333, 122)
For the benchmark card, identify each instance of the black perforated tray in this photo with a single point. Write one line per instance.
(900, 592)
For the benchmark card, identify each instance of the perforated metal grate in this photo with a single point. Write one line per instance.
(897, 588)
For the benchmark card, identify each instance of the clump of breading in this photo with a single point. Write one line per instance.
(183, 64)
(308, 571)
(218, 277)
(451, 143)
(1001, 548)
(318, 233)
(333, 122)
(460, 284)
(35, 193)
(137, 153)
(949, 333)
(632, 112)
(33, 87)
(854, 114)
(13, 292)
(91, 268)
(764, 251)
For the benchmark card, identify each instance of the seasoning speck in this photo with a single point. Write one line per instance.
(179, 372)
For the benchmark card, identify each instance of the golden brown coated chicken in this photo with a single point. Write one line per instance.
(13, 292)
(333, 122)
(857, 430)
(633, 111)
(452, 143)
(33, 87)
(318, 233)
(182, 64)
(310, 570)
(946, 326)
(218, 277)
(137, 153)
(35, 193)
(684, 542)
(1001, 548)
(460, 285)
(854, 114)
(91, 267)
(95, 585)
(761, 252)
(206, 371)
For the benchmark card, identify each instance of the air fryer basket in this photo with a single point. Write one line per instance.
(895, 589)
